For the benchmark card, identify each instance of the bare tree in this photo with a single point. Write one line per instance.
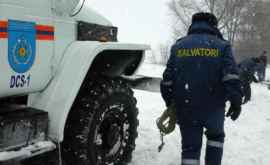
(245, 23)
(228, 12)
(161, 55)
(254, 32)
(164, 53)
(153, 58)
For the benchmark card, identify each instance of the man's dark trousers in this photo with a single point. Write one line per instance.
(192, 123)
(246, 91)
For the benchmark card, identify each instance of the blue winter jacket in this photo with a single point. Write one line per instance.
(201, 71)
(248, 68)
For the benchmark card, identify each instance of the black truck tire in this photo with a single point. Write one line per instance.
(102, 125)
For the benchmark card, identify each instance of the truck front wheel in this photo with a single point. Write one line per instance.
(102, 125)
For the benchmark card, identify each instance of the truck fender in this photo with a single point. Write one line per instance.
(58, 97)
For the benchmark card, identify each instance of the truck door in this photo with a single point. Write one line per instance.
(26, 46)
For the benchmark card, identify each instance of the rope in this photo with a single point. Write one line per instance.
(160, 147)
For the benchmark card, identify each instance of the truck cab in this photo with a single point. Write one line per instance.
(54, 54)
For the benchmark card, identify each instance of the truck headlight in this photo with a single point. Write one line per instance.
(94, 32)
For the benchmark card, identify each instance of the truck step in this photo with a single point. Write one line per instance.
(27, 152)
(21, 126)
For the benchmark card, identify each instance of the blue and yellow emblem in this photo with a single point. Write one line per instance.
(21, 45)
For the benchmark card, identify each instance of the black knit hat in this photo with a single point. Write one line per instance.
(209, 18)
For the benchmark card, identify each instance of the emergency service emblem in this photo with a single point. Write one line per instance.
(21, 45)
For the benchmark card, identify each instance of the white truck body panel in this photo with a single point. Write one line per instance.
(41, 71)
(32, 7)
(46, 62)
(59, 96)
(67, 7)
(89, 15)
(63, 39)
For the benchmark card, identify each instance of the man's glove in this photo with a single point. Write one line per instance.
(234, 112)
(166, 123)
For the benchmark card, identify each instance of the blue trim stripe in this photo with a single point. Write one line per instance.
(3, 29)
(45, 33)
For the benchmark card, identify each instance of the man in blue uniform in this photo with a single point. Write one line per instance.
(201, 75)
(248, 68)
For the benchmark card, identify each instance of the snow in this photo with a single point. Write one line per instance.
(267, 76)
(151, 70)
(247, 139)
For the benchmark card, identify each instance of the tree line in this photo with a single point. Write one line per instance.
(245, 23)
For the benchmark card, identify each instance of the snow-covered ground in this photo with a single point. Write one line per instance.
(151, 70)
(247, 139)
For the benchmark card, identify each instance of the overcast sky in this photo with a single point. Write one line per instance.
(139, 21)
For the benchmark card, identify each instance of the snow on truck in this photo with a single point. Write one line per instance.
(61, 84)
